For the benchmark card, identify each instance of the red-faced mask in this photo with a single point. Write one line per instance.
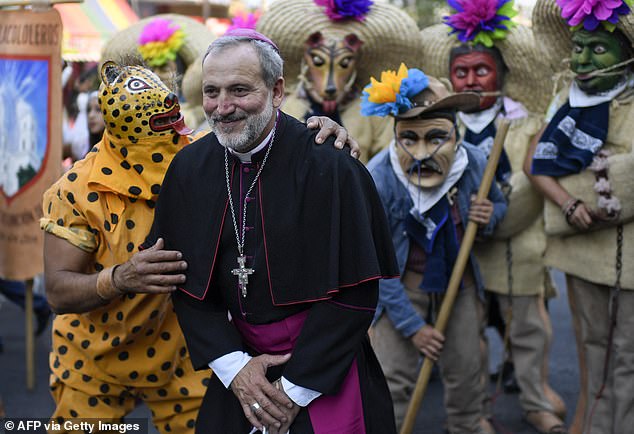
(475, 72)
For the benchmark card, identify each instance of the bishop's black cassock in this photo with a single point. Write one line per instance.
(318, 242)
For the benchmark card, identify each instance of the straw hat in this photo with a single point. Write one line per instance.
(389, 36)
(192, 91)
(125, 43)
(527, 79)
(552, 33)
(192, 82)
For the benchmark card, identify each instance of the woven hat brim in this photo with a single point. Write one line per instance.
(389, 36)
(465, 101)
(125, 42)
(192, 83)
(553, 34)
(528, 79)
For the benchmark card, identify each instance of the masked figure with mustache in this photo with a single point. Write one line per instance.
(509, 75)
(583, 163)
(426, 179)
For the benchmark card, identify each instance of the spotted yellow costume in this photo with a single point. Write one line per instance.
(104, 361)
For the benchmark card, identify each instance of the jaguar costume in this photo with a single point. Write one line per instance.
(104, 361)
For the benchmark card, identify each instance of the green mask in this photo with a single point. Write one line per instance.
(592, 51)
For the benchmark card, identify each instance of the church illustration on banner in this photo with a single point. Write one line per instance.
(24, 132)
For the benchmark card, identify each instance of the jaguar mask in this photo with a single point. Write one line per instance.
(137, 105)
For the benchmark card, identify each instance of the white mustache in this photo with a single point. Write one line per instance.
(228, 118)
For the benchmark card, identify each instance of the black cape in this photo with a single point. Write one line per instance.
(311, 255)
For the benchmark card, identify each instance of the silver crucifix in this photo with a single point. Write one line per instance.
(243, 274)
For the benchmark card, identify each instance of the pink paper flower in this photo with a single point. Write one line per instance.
(244, 21)
(611, 205)
(591, 13)
(480, 21)
(338, 10)
(157, 30)
(599, 163)
(602, 186)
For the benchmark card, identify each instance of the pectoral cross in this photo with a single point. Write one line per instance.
(243, 274)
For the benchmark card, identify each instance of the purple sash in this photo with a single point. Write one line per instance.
(334, 414)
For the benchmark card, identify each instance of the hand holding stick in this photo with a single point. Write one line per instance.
(456, 278)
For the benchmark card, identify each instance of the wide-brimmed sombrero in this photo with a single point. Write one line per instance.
(552, 32)
(389, 36)
(125, 43)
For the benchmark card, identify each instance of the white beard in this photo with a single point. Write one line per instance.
(242, 141)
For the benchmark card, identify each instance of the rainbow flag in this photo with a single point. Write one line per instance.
(88, 25)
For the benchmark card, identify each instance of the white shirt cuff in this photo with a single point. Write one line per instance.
(228, 366)
(298, 394)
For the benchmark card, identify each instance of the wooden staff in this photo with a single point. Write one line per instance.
(29, 334)
(456, 278)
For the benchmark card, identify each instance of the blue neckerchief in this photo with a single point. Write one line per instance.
(572, 138)
(484, 140)
(435, 232)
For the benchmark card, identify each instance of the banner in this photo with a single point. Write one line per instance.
(30, 133)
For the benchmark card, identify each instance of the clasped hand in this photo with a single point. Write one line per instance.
(429, 341)
(264, 404)
(585, 218)
(480, 211)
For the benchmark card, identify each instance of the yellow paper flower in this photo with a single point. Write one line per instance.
(386, 89)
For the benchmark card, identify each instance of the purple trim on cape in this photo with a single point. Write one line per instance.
(342, 412)
(348, 306)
